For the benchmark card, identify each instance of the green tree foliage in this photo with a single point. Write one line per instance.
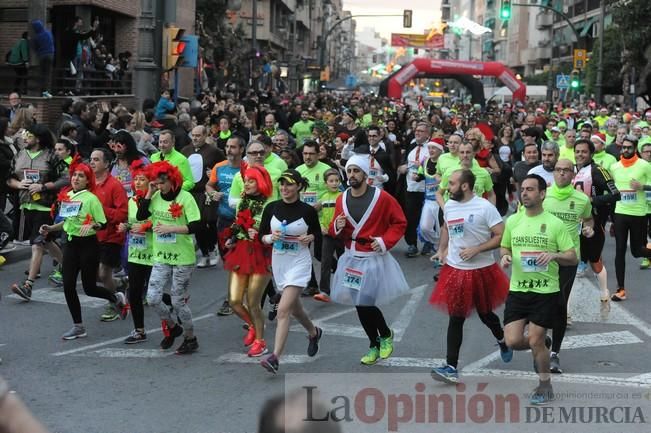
(613, 49)
(632, 17)
(222, 43)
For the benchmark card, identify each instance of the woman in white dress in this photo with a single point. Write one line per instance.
(291, 226)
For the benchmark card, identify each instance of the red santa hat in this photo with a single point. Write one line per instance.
(599, 136)
(165, 170)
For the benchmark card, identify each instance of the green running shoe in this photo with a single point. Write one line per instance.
(371, 357)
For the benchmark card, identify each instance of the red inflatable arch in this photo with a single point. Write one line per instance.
(422, 66)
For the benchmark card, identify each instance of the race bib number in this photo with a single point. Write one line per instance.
(309, 197)
(353, 278)
(430, 190)
(31, 175)
(137, 241)
(455, 228)
(286, 246)
(629, 196)
(166, 238)
(529, 262)
(69, 209)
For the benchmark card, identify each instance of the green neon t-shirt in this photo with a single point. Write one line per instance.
(483, 181)
(446, 161)
(81, 207)
(604, 159)
(527, 237)
(632, 202)
(174, 248)
(302, 130)
(314, 176)
(567, 153)
(571, 207)
(140, 244)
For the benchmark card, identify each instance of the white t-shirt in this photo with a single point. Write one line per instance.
(415, 159)
(469, 225)
(540, 171)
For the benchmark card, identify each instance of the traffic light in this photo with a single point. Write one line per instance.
(173, 47)
(575, 80)
(505, 10)
(406, 18)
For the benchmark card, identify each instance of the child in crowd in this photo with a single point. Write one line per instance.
(330, 245)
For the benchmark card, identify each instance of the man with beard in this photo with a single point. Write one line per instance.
(632, 176)
(370, 222)
(470, 279)
(550, 152)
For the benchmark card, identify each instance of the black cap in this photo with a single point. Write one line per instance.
(291, 176)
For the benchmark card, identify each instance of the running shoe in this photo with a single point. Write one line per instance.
(24, 289)
(170, 335)
(541, 395)
(225, 309)
(203, 262)
(270, 363)
(505, 352)
(620, 295)
(555, 363)
(386, 346)
(46, 94)
(371, 356)
(313, 346)
(447, 374)
(258, 348)
(645, 263)
(136, 337)
(110, 314)
(427, 249)
(580, 270)
(75, 332)
(309, 292)
(249, 338)
(2, 260)
(121, 307)
(188, 346)
(273, 312)
(412, 251)
(323, 297)
(56, 278)
(213, 259)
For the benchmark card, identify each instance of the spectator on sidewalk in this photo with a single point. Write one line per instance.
(43, 44)
(18, 58)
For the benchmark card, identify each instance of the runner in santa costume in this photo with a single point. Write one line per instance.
(370, 222)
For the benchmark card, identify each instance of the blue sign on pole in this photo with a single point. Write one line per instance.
(351, 80)
(562, 81)
(190, 52)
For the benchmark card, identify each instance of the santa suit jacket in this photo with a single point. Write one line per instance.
(383, 221)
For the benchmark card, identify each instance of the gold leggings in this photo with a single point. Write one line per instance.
(253, 286)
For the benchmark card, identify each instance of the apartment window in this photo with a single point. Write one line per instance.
(593, 4)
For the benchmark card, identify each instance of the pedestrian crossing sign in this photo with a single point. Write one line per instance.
(562, 81)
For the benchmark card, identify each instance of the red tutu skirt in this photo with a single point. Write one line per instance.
(248, 257)
(458, 292)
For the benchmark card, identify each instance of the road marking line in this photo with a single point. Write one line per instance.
(646, 377)
(128, 353)
(587, 310)
(337, 329)
(242, 358)
(120, 339)
(400, 325)
(51, 296)
(569, 342)
(398, 361)
(565, 377)
(332, 316)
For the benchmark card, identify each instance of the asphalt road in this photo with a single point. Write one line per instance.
(99, 384)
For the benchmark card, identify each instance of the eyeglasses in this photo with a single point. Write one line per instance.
(564, 170)
(255, 152)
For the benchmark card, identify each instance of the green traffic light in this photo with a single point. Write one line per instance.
(574, 84)
(505, 14)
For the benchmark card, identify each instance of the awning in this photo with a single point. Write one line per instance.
(587, 26)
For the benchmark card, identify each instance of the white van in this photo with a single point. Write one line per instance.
(503, 94)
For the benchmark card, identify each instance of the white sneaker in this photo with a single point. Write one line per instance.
(213, 259)
(203, 262)
(46, 94)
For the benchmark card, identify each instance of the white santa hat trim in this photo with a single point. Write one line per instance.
(360, 161)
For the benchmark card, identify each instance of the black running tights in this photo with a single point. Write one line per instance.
(138, 279)
(373, 323)
(455, 334)
(80, 255)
